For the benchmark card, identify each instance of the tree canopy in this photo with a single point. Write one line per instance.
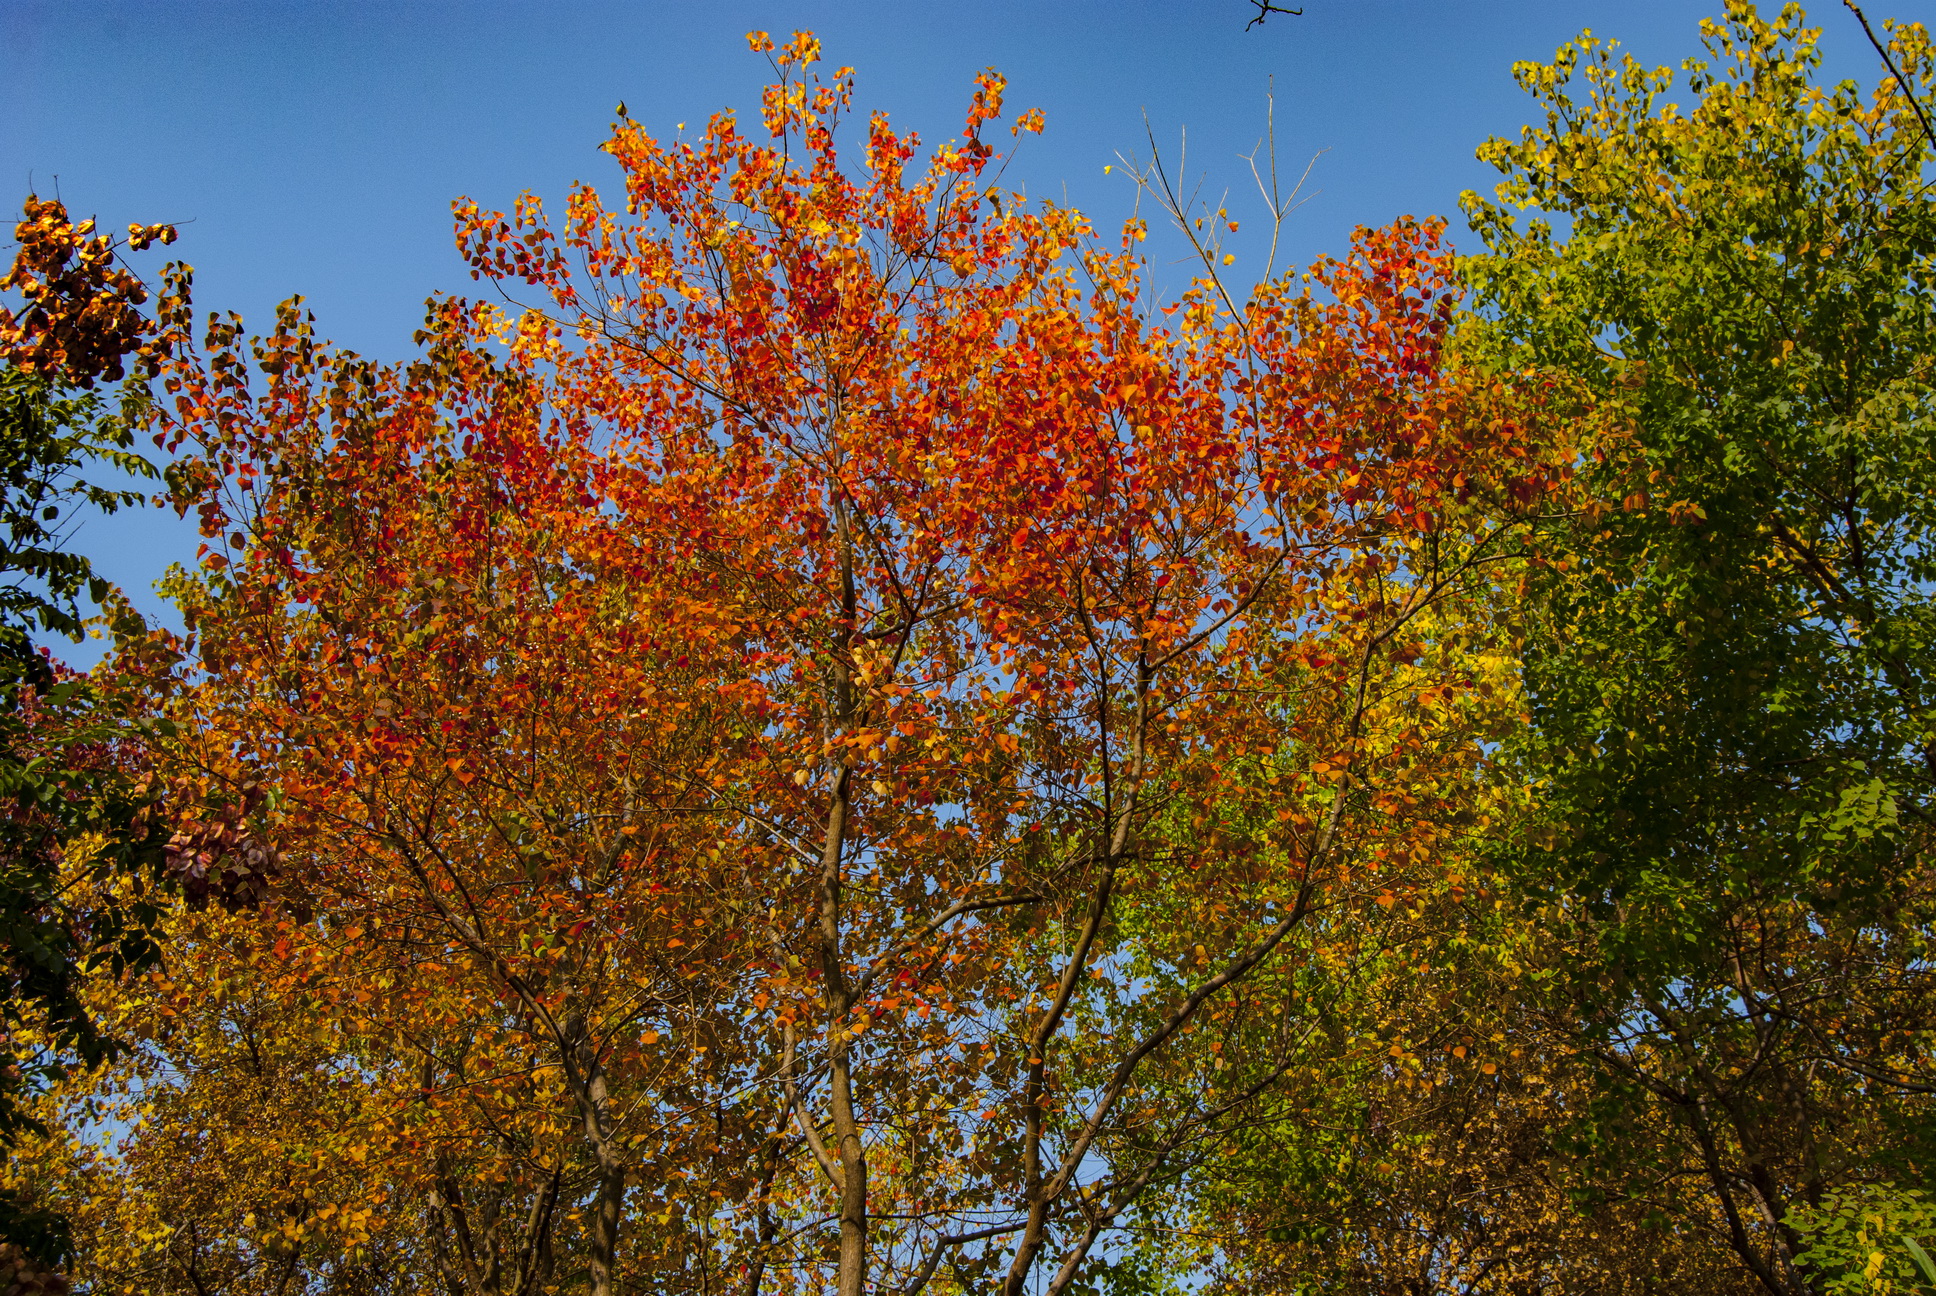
(818, 736)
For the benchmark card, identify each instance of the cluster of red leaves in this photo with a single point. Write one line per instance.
(215, 855)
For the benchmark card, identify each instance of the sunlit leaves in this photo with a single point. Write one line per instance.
(810, 735)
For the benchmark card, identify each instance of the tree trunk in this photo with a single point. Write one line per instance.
(596, 1109)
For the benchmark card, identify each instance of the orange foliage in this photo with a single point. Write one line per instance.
(720, 708)
(80, 319)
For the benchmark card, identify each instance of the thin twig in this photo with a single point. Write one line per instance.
(1902, 83)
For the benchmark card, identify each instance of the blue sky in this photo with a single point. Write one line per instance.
(314, 147)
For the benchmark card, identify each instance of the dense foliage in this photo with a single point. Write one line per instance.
(76, 808)
(822, 740)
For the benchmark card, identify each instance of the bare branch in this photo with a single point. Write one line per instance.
(1265, 9)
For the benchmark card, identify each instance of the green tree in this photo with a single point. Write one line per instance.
(1732, 738)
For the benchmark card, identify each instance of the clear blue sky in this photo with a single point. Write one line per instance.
(313, 147)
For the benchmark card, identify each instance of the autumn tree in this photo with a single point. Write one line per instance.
(810, 738)
(1018, 574)
(479, 797)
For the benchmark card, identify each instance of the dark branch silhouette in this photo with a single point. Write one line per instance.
(1265, 9)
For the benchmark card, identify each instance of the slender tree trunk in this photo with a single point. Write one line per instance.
(839, 1005)
(596, 1109)
(839, 1000)
(853, 1181)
